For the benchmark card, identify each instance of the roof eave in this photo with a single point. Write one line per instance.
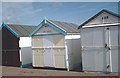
(10, 29)
(46, 21)
(104, 10)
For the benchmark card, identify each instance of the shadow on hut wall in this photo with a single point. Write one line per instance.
(10, 48)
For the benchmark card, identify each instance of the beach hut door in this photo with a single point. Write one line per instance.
(48, 52)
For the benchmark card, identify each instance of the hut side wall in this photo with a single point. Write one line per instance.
(10, 49)
(74, 54)
(25, 51)
(26, 56)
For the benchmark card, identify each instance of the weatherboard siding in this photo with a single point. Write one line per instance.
(46, 29)
(99, 42)
(98, 19)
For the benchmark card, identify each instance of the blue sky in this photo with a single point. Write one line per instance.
(32, 13)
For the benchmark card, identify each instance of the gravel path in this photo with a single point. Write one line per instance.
(16, 71)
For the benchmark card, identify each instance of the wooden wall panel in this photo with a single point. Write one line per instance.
(10, 49)
(59, 55)
(38, 57)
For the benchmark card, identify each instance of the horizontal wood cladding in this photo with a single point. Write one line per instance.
(58, 41)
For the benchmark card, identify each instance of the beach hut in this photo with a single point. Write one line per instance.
(9, 47)
(56, 44)
(23, 32)
(99, 41)
(23, 43)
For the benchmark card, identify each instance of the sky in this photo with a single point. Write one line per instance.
(59, 0)
(32, 13)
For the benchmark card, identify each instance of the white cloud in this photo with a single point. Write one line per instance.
(15, 11)
(56, 4)
(82, 6)
(30, 12)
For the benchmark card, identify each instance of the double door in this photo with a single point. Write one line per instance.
(48, 51)
(100, 49)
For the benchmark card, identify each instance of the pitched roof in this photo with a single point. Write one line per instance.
(62, 27)
(22, 30)
(104, 10)
(8, 28)
(68, 27)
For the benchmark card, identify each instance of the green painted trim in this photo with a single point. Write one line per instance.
(55, 27)
(45, 21)
(47, 34)
(39, 26)
(26, 65)
(9, 29)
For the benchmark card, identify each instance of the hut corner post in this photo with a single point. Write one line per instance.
(66, 55)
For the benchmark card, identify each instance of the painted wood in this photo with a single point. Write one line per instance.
(38, 58)
(59, 55)
(26, 55)
(10, 49)
(74, 54)
(99, 20)
(100, 51)
(46, 29)
(48, 51)
(51, 39)
(37, 41)
(53, 51)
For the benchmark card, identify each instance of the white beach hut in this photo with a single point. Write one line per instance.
(56, 44)
(99, 41)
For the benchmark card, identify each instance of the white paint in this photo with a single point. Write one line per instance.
(72, 36)
(46, 29)
(66, 55)
(74, 53)
(110, 53)
(48, 52)
(26, 55)
(25, 42)
(101, 25)
(94, 58)
(98, 20)
(33, 62)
